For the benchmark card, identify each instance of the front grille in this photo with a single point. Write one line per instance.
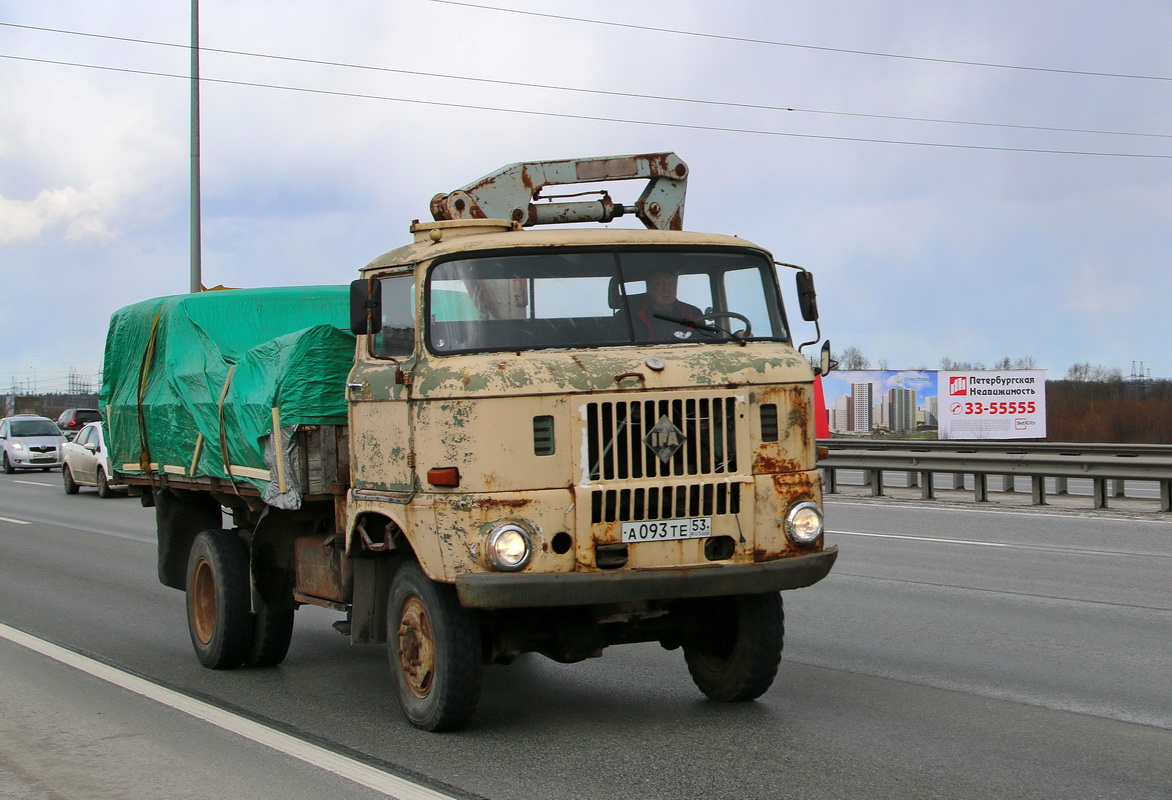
(665, 502)
(615, 433)
(703, 445)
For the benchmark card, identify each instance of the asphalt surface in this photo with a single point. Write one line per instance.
(953, 652)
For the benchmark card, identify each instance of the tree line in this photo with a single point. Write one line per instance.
(1112, 411)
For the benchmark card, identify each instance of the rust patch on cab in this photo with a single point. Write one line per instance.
(489, 503)
(765, 464)
(797, 484)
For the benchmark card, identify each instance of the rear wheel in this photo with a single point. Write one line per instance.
(104, 489)
(219, 615)
(272, 632)
(434, 649)
(738, 649)
(71, 486)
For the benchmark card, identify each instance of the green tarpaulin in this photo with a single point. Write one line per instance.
(190, 381)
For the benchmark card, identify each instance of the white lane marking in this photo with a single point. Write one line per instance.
(343, 767)
(115, 534)
(1003, 545)
(35, 483)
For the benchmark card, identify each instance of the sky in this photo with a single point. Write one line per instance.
(967, 181)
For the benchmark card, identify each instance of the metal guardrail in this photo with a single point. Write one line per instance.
(924, 461)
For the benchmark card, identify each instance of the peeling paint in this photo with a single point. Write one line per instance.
(591, 371)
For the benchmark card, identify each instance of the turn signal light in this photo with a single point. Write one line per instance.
(444, 476)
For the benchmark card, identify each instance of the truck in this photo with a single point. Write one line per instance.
(524, 431)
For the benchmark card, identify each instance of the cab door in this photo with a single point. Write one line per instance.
(379, 389)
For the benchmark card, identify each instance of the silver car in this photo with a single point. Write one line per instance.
(30, 442)
(87, 462)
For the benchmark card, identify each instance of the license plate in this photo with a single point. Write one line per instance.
(44, 458)
(667, 530)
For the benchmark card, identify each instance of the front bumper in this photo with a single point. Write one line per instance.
(539, 590)
(25, 461)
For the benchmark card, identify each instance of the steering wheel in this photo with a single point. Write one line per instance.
(715, 315)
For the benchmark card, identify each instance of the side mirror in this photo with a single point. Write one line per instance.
(365, 308)
(824, 363)
(93, 448)
(807, 297)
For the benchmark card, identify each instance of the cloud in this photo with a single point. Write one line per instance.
(79, 211)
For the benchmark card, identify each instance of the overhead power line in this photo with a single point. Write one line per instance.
(602, 92)
(771, 43)
(596, 118)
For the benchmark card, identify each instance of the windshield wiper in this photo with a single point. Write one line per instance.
(692, 323)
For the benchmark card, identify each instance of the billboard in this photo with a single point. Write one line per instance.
(936, 404)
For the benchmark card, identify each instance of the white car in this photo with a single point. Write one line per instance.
(87, 462)
(30, 442)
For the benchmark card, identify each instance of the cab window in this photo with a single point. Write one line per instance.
(396, 336)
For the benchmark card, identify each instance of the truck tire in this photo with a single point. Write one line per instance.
(434, 649)
(219, 599)
(71, 486)
(272, 631)
(741, 649)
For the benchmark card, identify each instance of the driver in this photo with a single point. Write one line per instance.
(660, 301)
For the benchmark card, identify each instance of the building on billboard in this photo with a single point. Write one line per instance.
(840, 416)
(901, 410)
(860, 421)
(931, 412)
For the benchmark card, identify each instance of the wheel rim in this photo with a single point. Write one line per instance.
(416, 647)
(203, 601)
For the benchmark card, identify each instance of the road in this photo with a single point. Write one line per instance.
(952, 653)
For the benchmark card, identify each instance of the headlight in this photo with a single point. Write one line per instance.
(17, 446)
(803, 523)
(508, 547)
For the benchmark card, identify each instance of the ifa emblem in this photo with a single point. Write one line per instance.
(664, 439)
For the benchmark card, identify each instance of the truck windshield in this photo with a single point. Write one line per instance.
(571, 299)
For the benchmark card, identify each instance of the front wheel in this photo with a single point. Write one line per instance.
(219, 598)
(735, 652)
(434, 648)
(8, 468)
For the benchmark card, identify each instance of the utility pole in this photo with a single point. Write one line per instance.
(196, 261)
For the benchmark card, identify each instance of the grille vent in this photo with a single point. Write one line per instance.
(769, 422)
(665, 502)
(543, 443)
